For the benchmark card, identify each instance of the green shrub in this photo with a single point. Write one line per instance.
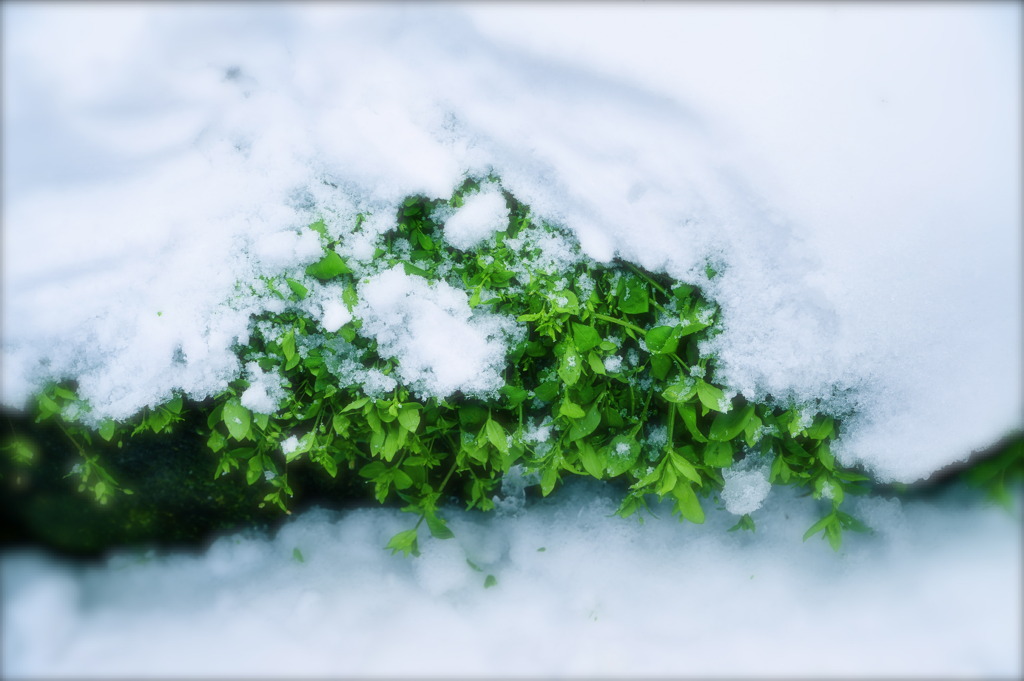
(606, 378)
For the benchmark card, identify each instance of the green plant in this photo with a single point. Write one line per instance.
(605, 376)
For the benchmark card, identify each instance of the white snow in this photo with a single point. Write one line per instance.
(935, 592)
(746, 486)
(264, 392)
(482, 214)
(853, 173)
(442, 345)
(335, 315)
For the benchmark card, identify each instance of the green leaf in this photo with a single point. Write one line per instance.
(824, 454)
(330, 465)
(682, 391)
(711, 396)
(61, 391)
(622, 453)
(297, 555)
(438, 527)
(496, 436)
(586, 425)
(632, 295)
(571, 409)
(489, 581)
(547, 391)
(661, 340)
(585, 337)
(237, 419)
(819, 526)
(355, 404)
(685, 468)
(330, 266)
(254, 470)
(596, 364)
(687, 503)
(570, 368)
(727, 426)
(288, 345)
(821, 428)
(689, 413)
(834, 534)
(515, 394)
(106, 429)
(409, 417)
(660, 366)
(298, 289)
(548, 479)
(47, 407)
(591, 459)
(718, 454)
(404, 542)
(216, 441)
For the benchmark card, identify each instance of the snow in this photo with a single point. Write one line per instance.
(483, 214)
(852, 172)
(746, 485)
(935, 592)
(442, 345)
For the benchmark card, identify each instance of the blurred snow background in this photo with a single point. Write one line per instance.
(854, 170)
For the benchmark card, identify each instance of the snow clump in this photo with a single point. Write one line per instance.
(483, 214)
(442, 345)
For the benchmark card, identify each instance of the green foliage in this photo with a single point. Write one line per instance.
(610, 365)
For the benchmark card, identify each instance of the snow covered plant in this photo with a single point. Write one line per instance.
(428, 355)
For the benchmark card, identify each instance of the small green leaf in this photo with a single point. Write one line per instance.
(254, 470)
(687, 503)
(298, 289)
(571, 409)
(330, 465)
(438, 527)
(622, 453)
(586, 425)
(489, 581)
(729, 425)
(680, 392)
(661, 340)
(106, 429)
(685, 468)
(632, 295)
(288, 345)
(404, 542)
(496, 436)
(596, 364)
(515, 394)
(61, 391)
(330, 266)
(591, 459)
(548, 479)
(216, 441)
(718, 454)
(819, 526)
(570, 368)
(237, 418)
(824, 454)
(711, 396)
(585, 337)
(547, 391)
(660, 366)
(821, 428)
(409, 417)
(297, 555)
(689, 413)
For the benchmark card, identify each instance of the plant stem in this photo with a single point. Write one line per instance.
(620, 322)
